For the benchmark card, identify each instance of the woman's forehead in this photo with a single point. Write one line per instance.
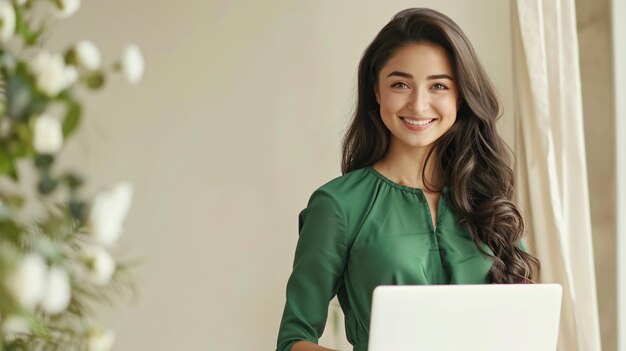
(418, 61)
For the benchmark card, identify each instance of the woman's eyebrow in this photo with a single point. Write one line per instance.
(410, 76)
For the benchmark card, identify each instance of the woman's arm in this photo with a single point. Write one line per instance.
(308, 346)
(317, 275)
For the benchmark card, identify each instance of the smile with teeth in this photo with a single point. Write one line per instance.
(418, 123)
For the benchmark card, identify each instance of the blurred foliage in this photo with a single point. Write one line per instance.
(34, 82)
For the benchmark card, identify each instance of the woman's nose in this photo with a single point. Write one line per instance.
(418, 101)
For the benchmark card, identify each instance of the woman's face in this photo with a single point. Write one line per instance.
(418, 95)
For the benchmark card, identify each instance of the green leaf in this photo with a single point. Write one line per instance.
(7, 164)
(23, 98)
(19, 96)
(21, 143)
(23, 28)
(46, 184)
(70, 57)
(72, 118)
(73, 180)
(10, 230)
(78, 210)
(44, 161)
(94, 80)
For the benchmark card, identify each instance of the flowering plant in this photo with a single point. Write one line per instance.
(56, 246)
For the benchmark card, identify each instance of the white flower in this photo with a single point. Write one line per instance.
(7, 20)
(48, 135)
(100, 339)
(14, 325)
(133, 64)
(108, 211)
(26, 283)
(88, 55)
(100, 265)
(52, 75)
(68, 8)
(58, 291)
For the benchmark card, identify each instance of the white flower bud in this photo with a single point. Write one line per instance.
(68, 8)
(88, 55)
(108, 212)
(133, 64)
(100, 265)
(14, 325)
(58, 291)
(7, 20)
(52, 75)
(100, 339)
(48, 135)
(26, 283)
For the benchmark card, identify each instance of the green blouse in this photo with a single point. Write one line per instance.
(361, 230)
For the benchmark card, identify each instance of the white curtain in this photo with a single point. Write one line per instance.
(551, 168)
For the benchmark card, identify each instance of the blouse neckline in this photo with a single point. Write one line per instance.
(400, 186)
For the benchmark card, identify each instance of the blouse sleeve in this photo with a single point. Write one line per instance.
(317, 273)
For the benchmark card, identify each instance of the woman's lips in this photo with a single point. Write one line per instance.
(418, 127)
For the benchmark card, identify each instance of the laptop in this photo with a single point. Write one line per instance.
(490, 317)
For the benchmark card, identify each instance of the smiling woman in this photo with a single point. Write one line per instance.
(426, 191)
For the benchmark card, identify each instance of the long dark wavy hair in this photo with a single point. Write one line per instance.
(472, 158)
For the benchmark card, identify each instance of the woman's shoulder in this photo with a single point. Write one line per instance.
(345, 196)
(343, 189)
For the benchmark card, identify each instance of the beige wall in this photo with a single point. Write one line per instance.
(238, 120)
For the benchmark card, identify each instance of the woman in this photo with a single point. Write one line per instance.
(425, 196)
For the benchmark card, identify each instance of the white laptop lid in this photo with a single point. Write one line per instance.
(490, 317)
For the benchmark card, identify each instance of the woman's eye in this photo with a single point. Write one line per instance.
(396, 85)
(439, 86)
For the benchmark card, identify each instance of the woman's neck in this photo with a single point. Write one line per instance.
(404, 166)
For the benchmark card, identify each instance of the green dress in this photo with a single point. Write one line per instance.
(361, 230)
